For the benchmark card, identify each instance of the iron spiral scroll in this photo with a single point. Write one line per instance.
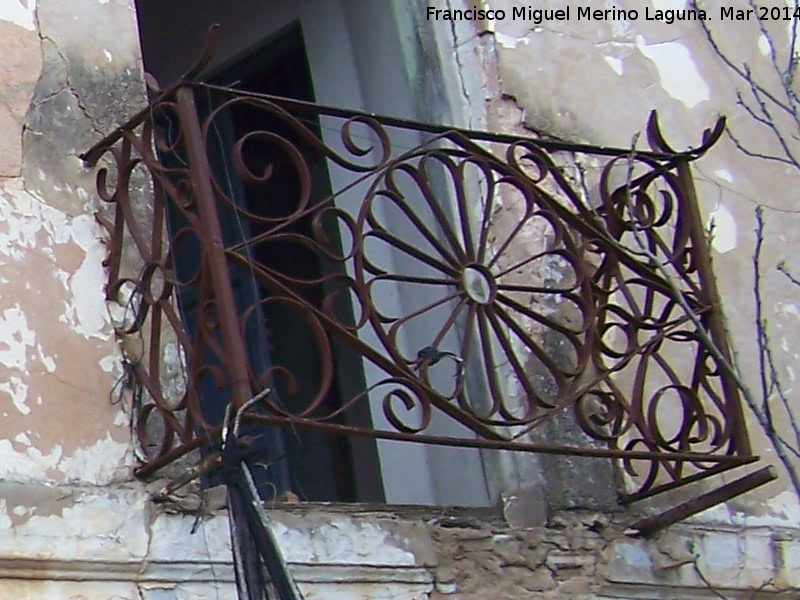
(475, 276)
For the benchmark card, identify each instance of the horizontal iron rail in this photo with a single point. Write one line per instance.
(626, 498)
(322, 109)
(724, 461)
(501, 444)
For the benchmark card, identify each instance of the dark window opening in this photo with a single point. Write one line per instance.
(314, 465)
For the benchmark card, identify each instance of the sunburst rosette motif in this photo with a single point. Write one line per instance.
(476, 286)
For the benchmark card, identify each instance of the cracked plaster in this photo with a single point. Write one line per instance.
(19, 12)
(20, 67)
(80, 96)
(58, 355)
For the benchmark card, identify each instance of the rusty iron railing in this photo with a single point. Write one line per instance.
(489, 280)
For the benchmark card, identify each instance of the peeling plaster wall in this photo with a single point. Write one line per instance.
(68, 70)
(73, 525)
(111, 546)
(58, 356)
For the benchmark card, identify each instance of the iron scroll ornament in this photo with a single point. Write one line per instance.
(534, 294)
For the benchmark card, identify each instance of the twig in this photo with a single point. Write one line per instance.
(753, 154)
(768, 371)
(755, 89)
(705, 580)
(208, 464)
(760, 325)
(791, 67)
(782, 268)
(785, 76)
(736, 69)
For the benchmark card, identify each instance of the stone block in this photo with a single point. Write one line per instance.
(576, 587)
(673, 550)
(509, 551)
(630, 562)
(71, 525)
(67, 590)
(559, 561)
(539, 580)
(525, 507)
(788, 563)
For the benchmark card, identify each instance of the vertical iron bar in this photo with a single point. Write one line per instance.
(708, 287)
(235, 359)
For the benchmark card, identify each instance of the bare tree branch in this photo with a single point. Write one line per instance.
(772, 103)
(769, 118)
(735, 68)
(750, 110)
(753, 154)
(760, 325)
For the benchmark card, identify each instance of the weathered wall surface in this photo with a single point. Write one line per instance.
(112, 546)
(68, 70)
(71, 70)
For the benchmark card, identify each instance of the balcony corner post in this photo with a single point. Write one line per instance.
(235, 359)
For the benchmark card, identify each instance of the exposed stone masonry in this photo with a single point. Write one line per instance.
(548, 562)
(119, 545)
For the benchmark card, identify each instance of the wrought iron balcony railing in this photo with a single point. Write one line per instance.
(489, 280)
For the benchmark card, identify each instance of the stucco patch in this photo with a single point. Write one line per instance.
(17, 390)
(508, 41)
(19, 12)
(5, 521)
(788, 309)
(103, 462)
(763, 45)
(15, 338)
(26, 221)
(73, 244)
(676, 71)
(86, 89)
(28, 463)
(75, 524)
(86, 313)
(615, 64)
(10, 143)
(20, 67)
(110, 90)
(55, 335)
(723, 226)
(724, 174)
